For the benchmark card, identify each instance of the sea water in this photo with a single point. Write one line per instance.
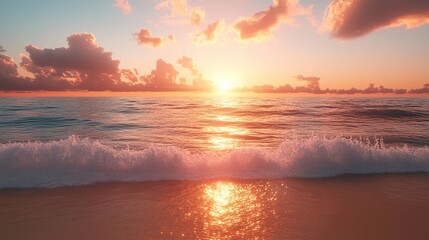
(214, 167)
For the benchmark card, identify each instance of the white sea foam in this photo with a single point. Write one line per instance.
(76, 161)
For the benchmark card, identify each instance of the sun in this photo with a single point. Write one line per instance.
(224, 86)
(225, 83)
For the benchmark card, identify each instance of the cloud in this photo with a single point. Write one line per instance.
(424, 89)
(164, 78)
(81, 65)
(2, 49)
(8, 68)
(83, 54)
(313, 87)
(84, 65)
(347, 19)
(9, 77)
(124, 5)
(197, 16)
(211, 32)
(260, 24)
(188, 63)
(180, 8)
(312, 82)
(145, 37)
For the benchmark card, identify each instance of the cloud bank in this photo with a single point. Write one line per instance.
(313, 87)
(84, 65)
(347, 19)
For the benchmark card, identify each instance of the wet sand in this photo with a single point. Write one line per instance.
(385, 206)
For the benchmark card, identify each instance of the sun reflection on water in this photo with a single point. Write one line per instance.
(231, 210)
(225, 137)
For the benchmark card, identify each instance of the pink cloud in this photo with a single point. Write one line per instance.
(84, 65)
(145, 37)
(313, 87)
(164, 78)
(124, 5)
(81, 65)
(261, 24)
(8, 68)
(82, 54)
(188, 63)
(197, 16)
(211, 32)
(180, 9)
(10, 79)
(347, 19)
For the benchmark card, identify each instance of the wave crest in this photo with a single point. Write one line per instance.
(77, 161)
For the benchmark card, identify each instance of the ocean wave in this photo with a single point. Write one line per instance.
(80, 161)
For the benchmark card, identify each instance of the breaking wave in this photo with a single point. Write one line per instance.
(80, 161)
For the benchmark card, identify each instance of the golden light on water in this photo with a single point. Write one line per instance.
(226, 137)
(231, 210)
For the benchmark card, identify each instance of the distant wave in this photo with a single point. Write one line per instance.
(388, 113)
(79, 161)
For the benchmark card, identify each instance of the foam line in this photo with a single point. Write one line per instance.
(79, 161)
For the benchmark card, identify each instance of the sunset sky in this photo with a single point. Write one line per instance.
(231, 43)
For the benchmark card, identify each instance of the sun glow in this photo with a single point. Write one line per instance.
(226, 83)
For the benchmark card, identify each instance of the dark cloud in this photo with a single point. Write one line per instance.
(84, 65)
(424, 89)
(81, 65)
(2, 49)
(83, 54)
(354, 18)
(7, 66)
(188, 63)
(145, 37)
(10, 79)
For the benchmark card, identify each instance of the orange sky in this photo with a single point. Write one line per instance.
(116, 46)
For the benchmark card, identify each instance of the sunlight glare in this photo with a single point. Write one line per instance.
(230, 205)
(225, 83)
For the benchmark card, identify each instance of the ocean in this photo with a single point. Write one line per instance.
(214, 166)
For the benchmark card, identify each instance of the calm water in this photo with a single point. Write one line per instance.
(214, 168)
